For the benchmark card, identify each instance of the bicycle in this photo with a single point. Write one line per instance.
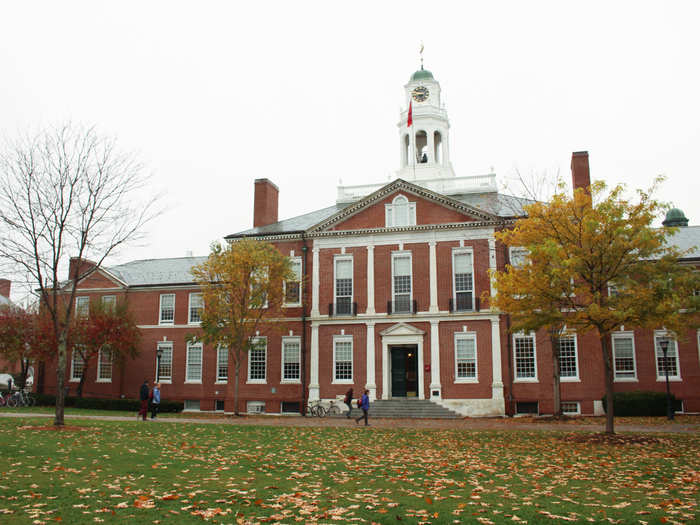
(21, 399)
(316, 408)
(333, 409)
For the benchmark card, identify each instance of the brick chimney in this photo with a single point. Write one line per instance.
(83, 266)
(265, 206)
(580, 173)
(5, 285)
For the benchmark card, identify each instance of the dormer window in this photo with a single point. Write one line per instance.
(400, 212)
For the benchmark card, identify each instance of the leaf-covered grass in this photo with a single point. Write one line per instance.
(131, 472)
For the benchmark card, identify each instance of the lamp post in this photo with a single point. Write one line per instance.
(663, 343)
(159, 354)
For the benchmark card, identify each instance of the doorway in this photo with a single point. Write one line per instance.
(404, 371)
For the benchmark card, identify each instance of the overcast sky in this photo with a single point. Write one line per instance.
(216, 94)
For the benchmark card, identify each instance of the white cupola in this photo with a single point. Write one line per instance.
(424, 151)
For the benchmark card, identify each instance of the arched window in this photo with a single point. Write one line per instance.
(400, 212)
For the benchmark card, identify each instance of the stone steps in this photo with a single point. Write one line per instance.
(406, 408)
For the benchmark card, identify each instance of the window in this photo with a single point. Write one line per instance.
(343, 285)
(291, 359)
(517, 256)
(165, 364)
(465, 356)
(463, 281)
(400, 212)
(191, 405)
(526, 407)
(568, 365)
(672, 358)
(196, 305)
(570, 407)
(219, 405)
(525, 359)
(104, 366)
(342, 359)
(221, 364)
(613, 290)
(259, 281)
(257, 361)
(109, 303)
(82, 307)
(167, 308)
(292, 288)
(401, 282)
(623, 356)
(77, 365)
(193, 367)
(255, 407)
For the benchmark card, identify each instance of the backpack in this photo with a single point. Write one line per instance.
(359, 403)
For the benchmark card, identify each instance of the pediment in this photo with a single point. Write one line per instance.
(432, 209)
(402, 329)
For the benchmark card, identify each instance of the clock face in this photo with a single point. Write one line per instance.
(420, 94)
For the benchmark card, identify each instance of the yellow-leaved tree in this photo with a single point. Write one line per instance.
(575, 249)
(242, 289)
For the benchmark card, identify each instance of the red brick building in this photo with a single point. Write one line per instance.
(392, 276)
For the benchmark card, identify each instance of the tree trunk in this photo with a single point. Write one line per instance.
(235, 388)
(60, 381)
(23, 370)
(609, 385)
(556, 380)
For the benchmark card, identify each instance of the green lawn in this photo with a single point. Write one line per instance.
(131, 472)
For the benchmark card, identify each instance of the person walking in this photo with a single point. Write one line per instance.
(364, 405)
(155, 400)
(143, 396)
(348, 401)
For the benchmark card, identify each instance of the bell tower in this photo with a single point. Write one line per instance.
(424, 151)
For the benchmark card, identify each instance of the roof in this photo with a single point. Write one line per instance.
(687, 238)
(294, 225)
(422, 74)
(156, 271)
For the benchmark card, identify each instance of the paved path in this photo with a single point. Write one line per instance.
(506, 424)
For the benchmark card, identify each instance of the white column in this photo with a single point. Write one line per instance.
(433, 278)
(315, 282)
(497, 386)
(421, 371)
(385, 369)
(492, 262)
(314, 387)
(431, 146)
(370, 280)
(435, 359)
(445, 147)
(371, 372)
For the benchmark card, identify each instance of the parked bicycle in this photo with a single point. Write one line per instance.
(319, 409)
(316, 408)
(18, 399)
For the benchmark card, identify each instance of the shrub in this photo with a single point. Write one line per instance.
(641, 403)
(98, 403)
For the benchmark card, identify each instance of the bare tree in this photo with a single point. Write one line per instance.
(67, 192)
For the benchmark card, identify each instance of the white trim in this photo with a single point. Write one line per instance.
(112, 299)
(79, 307)
(98, 379)
(165, 345)
(192, 346)
(189, 308)
(74, 379)
(394, 237)
(294, 260)
(390, 212)
(516, 379)
(658, 334)
(456, 252)
(577, 377)
(624, 335)
(254, 346)
(576, 412)
(219, 350)
(341, 258)
(397, 255)
(293, 340)
(401, 334)
(160, 310)
(466, 336)
(343, 339)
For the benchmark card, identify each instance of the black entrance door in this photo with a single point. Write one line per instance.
(404, 372)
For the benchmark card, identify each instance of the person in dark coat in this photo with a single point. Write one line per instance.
(144, 394)
(364, 405)
(348, 401)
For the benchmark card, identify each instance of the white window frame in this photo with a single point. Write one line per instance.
(570, 379)
(100, 359)
(390, 211)
(336, 260)
(160, 309)
(343, 339)
(255, 407)
(658, 354)
(191, 405)
(191, 347)
(82, 306)
(624, 379)
(221, 351)
(295, 261)
(265, 274)
(456, 252)
(255, 341)
(517, 254)
(466, 336)
(165, 346)
(189, 308)
(517, 379)
(394, 256)
(577, 412)
(106, 300)
(290, 340)
(74, 355)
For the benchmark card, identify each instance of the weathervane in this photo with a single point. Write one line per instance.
(421, 54)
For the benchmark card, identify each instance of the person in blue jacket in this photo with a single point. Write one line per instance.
(155, 400)
(364, 405)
